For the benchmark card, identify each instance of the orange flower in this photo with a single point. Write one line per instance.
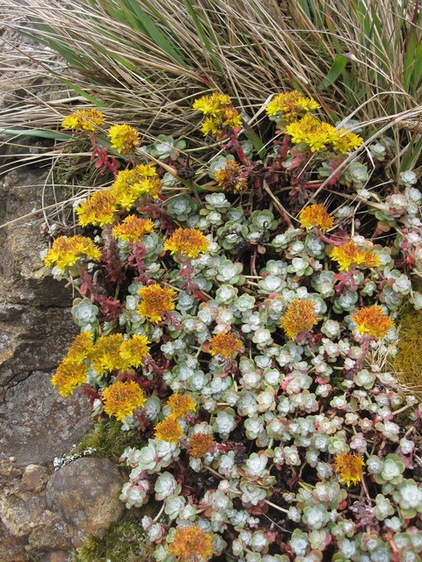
(188, 241)
(350, 468)
(371, 320)
(124, 138)
(315, 215)
(83, 120)
(180, 405)
(169, 430)
(134, 350)
(299, 317)
(69, 375)
(99, 209)
(228, 178)
(200, 444)
(191, 544)
(155, 302)
(350, 254)
(225, 344)
(133, 229)
(122, 398)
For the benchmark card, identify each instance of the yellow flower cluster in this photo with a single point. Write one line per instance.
(133, 229)
(73, 369)
(229, 179)
(350, 468)
(83, 120)
(124, 138)
(290, 106)
(122, 398)
(320, 135)
(180, 405)
(191, 544)
(371, 320)
(189, 242)
(350, 254)
(155, 302)
(129, 186)
(226, 345)
(315, 215)
(299, 317)
(220, 111)
(66, 252)
(169, 430)
(114, 353)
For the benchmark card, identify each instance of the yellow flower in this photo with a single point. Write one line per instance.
(226, 345)
(69, 375)
(319, 135)
(155, 302)
(132, 184)
(188, 241)
(350, 468)
(290, 106)
(180, 405)
(99, 209)
(83, 120)
(191, 544)
(105, 357)
(220, 111)
(134, 350)
(133, 229)
(350, 254)
(124, 138)
(169, 430)
(315, 215)
(200, 444)
(371, 320)
(299, 317)
(66, 252)
(228, 178)
(122, 398)
(81, 347)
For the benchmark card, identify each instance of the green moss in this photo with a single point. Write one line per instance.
(408, 362)
(108, 440)
(122, 542)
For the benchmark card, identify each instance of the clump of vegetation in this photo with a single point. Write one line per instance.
(408, 361)
(124, 540)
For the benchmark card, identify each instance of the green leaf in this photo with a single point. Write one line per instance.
(40, 133)
(338, 66)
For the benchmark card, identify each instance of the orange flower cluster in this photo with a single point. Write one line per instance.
(371, 320)
(66, 252)
(226, 345)
(133, 229)
(315, 216)
(189, 242)
(155, 302)
(180, 405)
(350, 254)
(229, 179)
(122, 398)
(191, 544)
(299, 317)
(200, 444)
(124, 138)
(83, 120)
(350, 468)
(169, 430)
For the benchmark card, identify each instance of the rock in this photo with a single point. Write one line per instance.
(86, 494)
(34, 478)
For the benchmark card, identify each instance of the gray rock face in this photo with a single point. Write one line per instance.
(76, 491)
